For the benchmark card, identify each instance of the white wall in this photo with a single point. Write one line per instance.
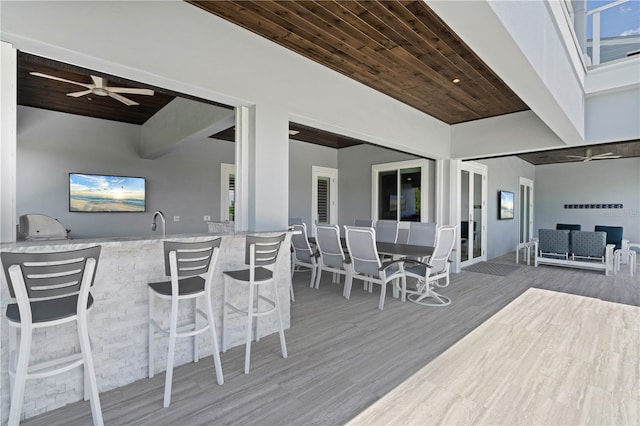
(504, 174)
(510, 133)
(594, 182)
(185, 182)
(302, 156)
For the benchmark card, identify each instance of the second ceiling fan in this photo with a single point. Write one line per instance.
(100, 88)
(589, 156)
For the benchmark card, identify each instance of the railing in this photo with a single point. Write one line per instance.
(613, 46)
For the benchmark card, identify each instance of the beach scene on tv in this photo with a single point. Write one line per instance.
(100, 193)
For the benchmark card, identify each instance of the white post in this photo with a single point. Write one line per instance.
(595, 44)
(243, 133)
(8, 124)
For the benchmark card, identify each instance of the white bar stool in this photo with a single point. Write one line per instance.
(50, 289)
(526, 250)
(261, 254)
(191, 267)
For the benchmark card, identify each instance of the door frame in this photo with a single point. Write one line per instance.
(332, 174)
(457, 166)
(530, 184)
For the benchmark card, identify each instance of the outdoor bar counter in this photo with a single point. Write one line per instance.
(118, 322)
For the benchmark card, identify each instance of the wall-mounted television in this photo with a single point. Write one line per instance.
(90, 193)
(505, 205)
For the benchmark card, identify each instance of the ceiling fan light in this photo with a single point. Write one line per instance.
(99, 91)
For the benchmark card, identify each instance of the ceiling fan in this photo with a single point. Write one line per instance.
(589, 156)
(100, 88)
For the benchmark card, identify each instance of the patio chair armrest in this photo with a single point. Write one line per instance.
(389, 263)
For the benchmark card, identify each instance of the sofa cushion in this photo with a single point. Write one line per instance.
(553, 241)
(570, 227)
(614, 234)
(588, 244)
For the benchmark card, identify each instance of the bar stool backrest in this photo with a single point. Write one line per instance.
(51, 275)
(191, 258)
(266, 249)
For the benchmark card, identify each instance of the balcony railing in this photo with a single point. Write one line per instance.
(615, 31)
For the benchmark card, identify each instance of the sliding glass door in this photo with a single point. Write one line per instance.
(398, 191)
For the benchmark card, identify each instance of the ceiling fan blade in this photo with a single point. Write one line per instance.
(78, 94)
(98, 81)
(131, 90)
(64, 80)
(606, 154)
(127, 102)
(586, 160)
(609, 157)
(580, 157)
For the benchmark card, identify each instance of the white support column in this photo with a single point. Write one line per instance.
(454, 209)
(243, 147)
(262, 164)
(8, 120)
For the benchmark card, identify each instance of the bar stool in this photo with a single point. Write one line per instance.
(191, 267)
(50, 289)
(261, 254)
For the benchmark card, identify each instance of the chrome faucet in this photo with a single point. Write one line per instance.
(164, 222)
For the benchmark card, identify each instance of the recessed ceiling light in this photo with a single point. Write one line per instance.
(293, 132)
(455, 80)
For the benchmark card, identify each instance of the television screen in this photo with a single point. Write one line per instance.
(102, 193)
(505, 200)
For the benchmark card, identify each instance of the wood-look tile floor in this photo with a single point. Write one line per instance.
(546, 358)
(344, 355)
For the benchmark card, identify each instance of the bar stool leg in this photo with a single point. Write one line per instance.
(247, 350)
(256, 301)
(214, 337)
(17, 397)
(223, 339)
(283, 344)
(90, 373)
(195, 327)
(151, 335)
(172, 347)
(12, 357)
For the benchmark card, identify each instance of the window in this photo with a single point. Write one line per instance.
(398, 190)
(324, 193)
(227, 192)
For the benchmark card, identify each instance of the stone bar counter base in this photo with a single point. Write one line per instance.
(118, 322)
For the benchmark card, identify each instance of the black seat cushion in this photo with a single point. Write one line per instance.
(49, 310)
(186, 286)
(262, 274)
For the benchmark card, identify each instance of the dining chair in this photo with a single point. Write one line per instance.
(190, 266)
(261, 254)
(303, 257)
(422, 234)
(428, 274)
(387, 231)
(365, 262)
(331, 255)
(50, 289)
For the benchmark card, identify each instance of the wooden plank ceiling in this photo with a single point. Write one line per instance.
(39, 92)
(400, 48)
(625, 149)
